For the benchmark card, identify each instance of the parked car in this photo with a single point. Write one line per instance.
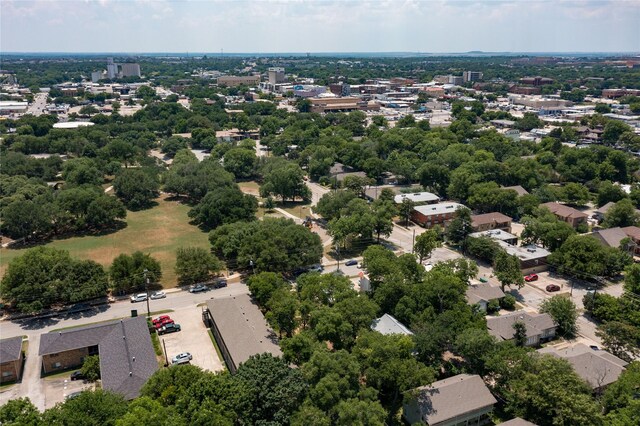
(220, 284)
(553, 287)
(531, 277)
(162, 323)
(77, 375)
(169, 328)
(351, 262)
(141, 297)
(158, 295)
(182, 358)
(594, 347)
(316, 268)
(73, 395)
(161, 319)
(197, 288)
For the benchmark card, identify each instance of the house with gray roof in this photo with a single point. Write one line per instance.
(539, 327)
(127, 358)
(240, 329)
(597, 367)
(459, 400)
(482, 294)
(613, 237)
(519, 189)
(387, 324)
(11, 359)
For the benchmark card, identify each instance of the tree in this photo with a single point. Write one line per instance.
(20, 411)
(622, 340)
(331, 204)
(564, 314)
(224, 205)
(621, 214)
(474, 345)
(427, 242)
(519, 333)
(545, 228)
(91, 408)
(91, 368)
(507, 269)
(240, 161)
(460, 227)
(585, 257)
(405, 209)
(80, 171)
(632, 279)
(174, 144)
(286, 182)
(128, 275)
(137, 188)
(575, 194)
(620, 399)
(483, 248)
(274, 390)
(195, 264)
(383, 213)
(45, 276)
(25, 219)
(263, 285)
(283, 306)
(613, 130)
(358, 412)
(609, 192)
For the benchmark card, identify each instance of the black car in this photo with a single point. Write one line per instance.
(169, 328)
(220, 284)
(352, 262)
(77, 375)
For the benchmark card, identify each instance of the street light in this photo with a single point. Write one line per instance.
(146, 288)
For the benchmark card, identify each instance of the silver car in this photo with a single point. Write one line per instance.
(158, 295)
(141, 297)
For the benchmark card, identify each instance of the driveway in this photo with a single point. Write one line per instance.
(193, 338)
(57, 387)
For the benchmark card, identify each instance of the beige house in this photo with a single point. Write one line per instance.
(566, 214)
(459, 400)
(11, 359)
(490, 221)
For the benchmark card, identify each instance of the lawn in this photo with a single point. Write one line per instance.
(158, 231)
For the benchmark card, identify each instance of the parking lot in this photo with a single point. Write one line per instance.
(193, 338)
(56, 388)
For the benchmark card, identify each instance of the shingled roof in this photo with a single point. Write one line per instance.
(10, 349)
(387, 324)
(127, 358)
(502, 326)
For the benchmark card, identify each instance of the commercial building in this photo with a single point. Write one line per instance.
(11, 359)
(459, 400)
(418, 198)
(566, 214)
(276, 75)
(498, 235)
(597, 367)
(344, 104)
(13, 107)
(490, 221)
(471, 76)
(127, 358)
(387, 325)
(536, 81)
(233, 80)
(130, 70)
(240, 329)
(539, 328)
(340, 89)
(532, 258)
(435, 214)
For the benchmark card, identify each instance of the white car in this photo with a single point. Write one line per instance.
(141, 297)
(182, 358)
(158, 295)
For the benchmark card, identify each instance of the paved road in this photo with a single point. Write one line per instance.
(38, 105)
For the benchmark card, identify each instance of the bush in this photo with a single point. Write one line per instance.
(493, 306)
(91, 368)
(508, 302)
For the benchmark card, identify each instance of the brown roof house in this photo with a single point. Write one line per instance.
(127, 358)
(482, 294)
(459, 400)
(11, 359)
(240, 329)
(613, 237)
(567, 214)
(540, 327)
(598, 368)
(489, 221)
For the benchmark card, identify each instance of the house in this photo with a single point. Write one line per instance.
(601, 212)
(127, 358)
(434, 214)
(488, 221)
(498, 235)
(633, 232)
(539, 327)
(613, 237)
(566, 214)
(240, 329)
(11, 359)
(520, 190)
(418, 198)
(482, 294)
(597, 367)
(387, 324)
(339, 172)
(459, 400)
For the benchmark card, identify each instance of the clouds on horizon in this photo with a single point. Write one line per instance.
(319, 26)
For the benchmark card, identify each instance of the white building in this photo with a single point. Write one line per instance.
(276, 75)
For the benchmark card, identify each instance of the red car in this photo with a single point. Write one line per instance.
(553, 287)
(162, 320)
(531, 277)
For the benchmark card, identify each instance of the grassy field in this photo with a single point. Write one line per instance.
(158, 231)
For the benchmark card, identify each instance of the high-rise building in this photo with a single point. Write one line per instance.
(112, 69)
(472, 76)
(456, 79)
(97, 76)
(130, 70)
(276, 75)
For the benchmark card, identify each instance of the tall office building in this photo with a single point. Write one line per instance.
(112, 69)
(130, 70)
(472, 76)
(276, 75)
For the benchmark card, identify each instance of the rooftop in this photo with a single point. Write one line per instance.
(417, 197)
(243, 327)
(525, 253)
(502, 326)
(440, 208)
(494, 234)
(598, 368)
(487, 218)
(387, 324)
(611, 237)
(127, 359)
(72, 124)
(519, 189)
(483, 292)
(452, 397)
(10, 349)
(564, 211)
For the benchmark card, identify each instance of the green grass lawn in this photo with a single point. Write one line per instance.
(158, 231)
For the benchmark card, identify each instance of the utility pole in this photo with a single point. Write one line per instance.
(413, 242)
(146, 288)
(338, 256)
(166, 357)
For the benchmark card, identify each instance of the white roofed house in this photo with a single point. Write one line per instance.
(387, 324)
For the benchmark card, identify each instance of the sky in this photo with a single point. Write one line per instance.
(435, 26)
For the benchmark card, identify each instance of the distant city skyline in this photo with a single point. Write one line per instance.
(442, 26)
